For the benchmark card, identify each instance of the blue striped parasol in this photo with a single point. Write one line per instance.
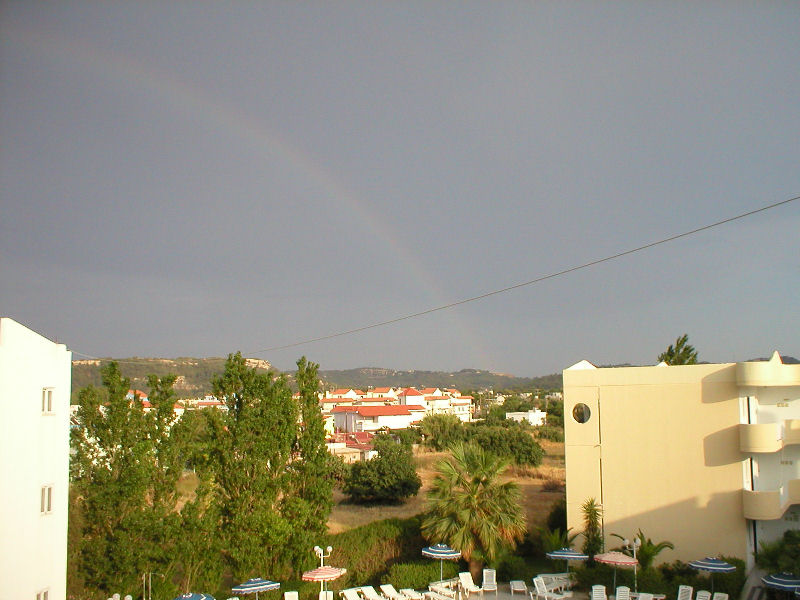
(712, 565)
(442, 552)
(255, 585)
(567, 554)
(786, 582)
(195, 597)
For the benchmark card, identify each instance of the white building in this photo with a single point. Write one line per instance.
(35, 378)
(534, 417)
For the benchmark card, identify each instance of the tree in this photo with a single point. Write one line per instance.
(515, 443)
(441, 431)
(592, 528)
(471, 509)
(682, 353)
(123, 478)
(389, 477)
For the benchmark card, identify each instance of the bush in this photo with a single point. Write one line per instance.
(417, 575)
(512, 442)
(549, 432)
(389, 477)
(557, 519)
(371, 550)
(441, 431)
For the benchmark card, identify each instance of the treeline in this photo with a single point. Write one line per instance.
(260, 492)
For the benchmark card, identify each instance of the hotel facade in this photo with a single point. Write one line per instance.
(705, 456)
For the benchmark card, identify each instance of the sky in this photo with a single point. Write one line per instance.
(193, 179)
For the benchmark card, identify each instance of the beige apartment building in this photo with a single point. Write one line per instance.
(705, 456)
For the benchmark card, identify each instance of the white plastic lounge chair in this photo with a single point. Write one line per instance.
(289, 595)
(370, 594)
(719, 596)
(623, 593)
(540, 591)
(517, 585)
(599, 592)
(387, 589)
(411, 594)
(703, 595)
(685, 592)
(351, 594)
(556, 582)
(645, 596)
(433, 595)
(489, 583)
(467, 585)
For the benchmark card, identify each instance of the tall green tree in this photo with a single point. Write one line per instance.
(441, 431)
(123, 477)
(251, 448)
(682, 353)
(471, 508)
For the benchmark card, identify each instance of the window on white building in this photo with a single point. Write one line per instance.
(47, 400)
(43, 595)
(46, 502)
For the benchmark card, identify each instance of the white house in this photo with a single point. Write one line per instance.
(373, 418)
(35, 379)
(534, 417)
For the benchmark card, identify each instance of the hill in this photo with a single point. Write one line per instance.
(465, 379)
(195, 374)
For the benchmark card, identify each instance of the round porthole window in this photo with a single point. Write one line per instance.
(581, 413)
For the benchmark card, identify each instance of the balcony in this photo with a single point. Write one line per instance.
(770, 505)
(768, 437)
(767, 373)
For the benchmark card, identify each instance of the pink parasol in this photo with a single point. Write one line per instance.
(616, 559)
(324, 574)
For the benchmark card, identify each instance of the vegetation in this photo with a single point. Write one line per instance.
(260, 503)
(471, 510)
(682, 353)
(515, 443)
(592, 528)
(647, 550)
(389, 477)
(781, 555)
(441, 431)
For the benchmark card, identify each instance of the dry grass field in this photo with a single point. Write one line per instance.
(541, 488)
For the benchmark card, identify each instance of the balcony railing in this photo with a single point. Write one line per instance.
(768, 437)
(771, 504)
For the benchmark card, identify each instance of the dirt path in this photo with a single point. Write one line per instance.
(537, 501)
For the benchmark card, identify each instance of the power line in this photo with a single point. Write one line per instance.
(525, 283)
(510, 288)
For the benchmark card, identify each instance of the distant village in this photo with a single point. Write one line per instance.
(352, 417)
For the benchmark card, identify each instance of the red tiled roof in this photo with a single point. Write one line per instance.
(382, 390)
(411, 392)
(436, 397)
(415, 408)
(341, 391)
(428, 391)
(343, 409)
(383, 411)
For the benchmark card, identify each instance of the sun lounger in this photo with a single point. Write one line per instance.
(433, 595)
(389, 592)
(623, 593)
(719, 596)
(489, 583)
(598, 593)
(411, 594)
(703, 595)
(517, 585)
(540, 591)
(289, 595)
(685, 592)
(370, 594)
(350, 594)
(467, 585)
(645, 596)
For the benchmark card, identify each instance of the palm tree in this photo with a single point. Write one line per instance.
(470, 509)
(647, 550)
(682, 354)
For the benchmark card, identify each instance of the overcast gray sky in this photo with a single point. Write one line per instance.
(188, 178)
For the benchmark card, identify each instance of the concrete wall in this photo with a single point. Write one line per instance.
(660, 452)
(34, 452)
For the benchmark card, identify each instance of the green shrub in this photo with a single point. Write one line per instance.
(512, 567)
(557, 519)
(417, 575)
(369, 551)
(549, 432)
